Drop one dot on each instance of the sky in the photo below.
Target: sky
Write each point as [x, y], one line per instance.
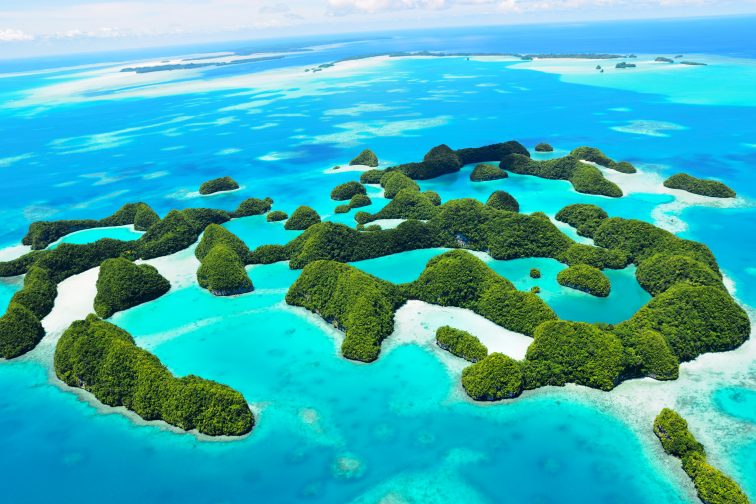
[40, 27]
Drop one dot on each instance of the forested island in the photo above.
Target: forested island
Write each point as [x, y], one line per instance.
[690, 313]
[702, 187]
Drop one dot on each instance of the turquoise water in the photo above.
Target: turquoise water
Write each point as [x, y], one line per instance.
[92, 235]
[331, 430]
[8, 287]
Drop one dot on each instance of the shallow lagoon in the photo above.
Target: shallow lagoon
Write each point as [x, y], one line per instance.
[331, 430]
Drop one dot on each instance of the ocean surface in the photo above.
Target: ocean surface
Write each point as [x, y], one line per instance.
[79, 138]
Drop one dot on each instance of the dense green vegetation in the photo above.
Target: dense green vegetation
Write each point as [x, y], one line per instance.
[359, 201]
[585, 278]
[661, 271]
[175, 232]
[458, 278]
[359, 304]
[584, 177]
[580, 353]
[484, 172]
[656, 359]
[594, 155]
[693, 319]
[121, 284]
[703, 187]
[642, 240]
[393, 182]
[39, 292]
[346, 190]
[20, 331]
[371, 176]
[502, 200]
[302, 218]
[433, 196]
[216, 234]
[253, 206]
[365, 158]
[494, 152]
[460, 343]
[597, 257]
[276, 216]
[43, 233]
[441, 160]
[544, 147]
[535, 273]
[583, 217]
[144, 217]
[218, 185]
[222, 271]
[494, 378]
[103, 359]
[712, 485]
[407, 204]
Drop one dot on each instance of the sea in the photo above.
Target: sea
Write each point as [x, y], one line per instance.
[79, 137]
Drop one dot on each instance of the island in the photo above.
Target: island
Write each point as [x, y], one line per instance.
[484, 172]
[460, 343]
[594, 155]
[585, 278]
[253, 206]
[493, 378]
[103, 359]
[346, 190]
[662, 59]
[121, 284]
[625, 65]
[222, 257]
[535, 273]
[43, 233]
[217, 185]
[702, 187]
[502, 200]
[276, 216]
[302, 218]
[690, 312]
[545, 147]
[712, 485]
[365, 158]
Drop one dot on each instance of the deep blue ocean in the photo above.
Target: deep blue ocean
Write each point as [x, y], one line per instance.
[79, 138]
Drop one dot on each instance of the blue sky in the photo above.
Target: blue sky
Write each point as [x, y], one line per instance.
[55, 26]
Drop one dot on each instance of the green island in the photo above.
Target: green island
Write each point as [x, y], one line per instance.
[535, 273]
[584, 178]
[702, 187]
[502, 200]
[276, 216]
[460, 343]
[222, 256]
[253, 206]
[43, 233]
[690, 313]
[712, 485]
[103, 359]
[347, 190]
[359, 200]
[485, 172]
[217, 185]
[544, 147]
[302, 218]
[594, 155]
[365, 158]
[121, 284]
[585, 278]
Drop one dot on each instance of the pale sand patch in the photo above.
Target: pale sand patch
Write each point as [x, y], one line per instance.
[387, 223]
[417, 321]
[348, 168]
[14, 252]
[667, 215]
[75, 301]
